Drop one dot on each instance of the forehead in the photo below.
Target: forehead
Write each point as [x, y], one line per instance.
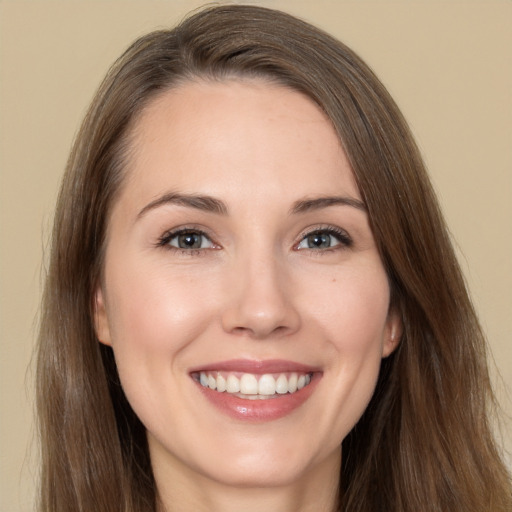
[239, 133]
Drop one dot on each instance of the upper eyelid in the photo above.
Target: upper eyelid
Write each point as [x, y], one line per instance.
[323, 227]
[174, 232]
[188, 228]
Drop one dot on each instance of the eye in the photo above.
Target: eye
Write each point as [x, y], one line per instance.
[187, 239]
[325, 239]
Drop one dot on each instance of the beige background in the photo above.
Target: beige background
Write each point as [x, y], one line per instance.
[448, 64]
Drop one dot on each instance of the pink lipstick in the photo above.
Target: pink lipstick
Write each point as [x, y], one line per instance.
[256, 390]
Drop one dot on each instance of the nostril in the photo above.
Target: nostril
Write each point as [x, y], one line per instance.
[260, 332]
[259, 307]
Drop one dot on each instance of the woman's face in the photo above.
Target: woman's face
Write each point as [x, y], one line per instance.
[243, 294]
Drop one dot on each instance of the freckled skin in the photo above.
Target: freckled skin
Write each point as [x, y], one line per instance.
[253, 291]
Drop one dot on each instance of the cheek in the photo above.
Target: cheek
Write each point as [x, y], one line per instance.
[353, 309]
[154, 319]
[359, 333]
[154, 316]
[354, 321]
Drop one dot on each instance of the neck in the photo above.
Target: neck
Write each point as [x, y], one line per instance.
[315, 491]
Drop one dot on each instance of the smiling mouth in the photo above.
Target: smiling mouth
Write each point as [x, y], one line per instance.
[256, 391]
[253, 386]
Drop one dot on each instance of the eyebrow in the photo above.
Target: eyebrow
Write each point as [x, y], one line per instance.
[199, 202]
[306, 205]
[213, 205]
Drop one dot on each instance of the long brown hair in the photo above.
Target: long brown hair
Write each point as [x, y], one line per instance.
[425, 442]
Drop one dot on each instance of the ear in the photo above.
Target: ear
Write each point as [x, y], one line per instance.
[392, 333]
[101, 318]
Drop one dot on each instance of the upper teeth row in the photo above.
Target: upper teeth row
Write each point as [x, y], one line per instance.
[249, 384]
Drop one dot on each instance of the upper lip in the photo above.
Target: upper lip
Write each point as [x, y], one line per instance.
[256, 366]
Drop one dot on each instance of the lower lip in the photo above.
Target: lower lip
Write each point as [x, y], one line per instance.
[260, 410]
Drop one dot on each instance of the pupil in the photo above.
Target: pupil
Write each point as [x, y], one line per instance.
[319, 240]
[189, 241]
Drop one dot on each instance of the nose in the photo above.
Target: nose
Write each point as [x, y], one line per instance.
[260, 300]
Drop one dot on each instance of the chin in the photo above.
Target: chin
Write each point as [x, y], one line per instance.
[262, 475]
[279, 465]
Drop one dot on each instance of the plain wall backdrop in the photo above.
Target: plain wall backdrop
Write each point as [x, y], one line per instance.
[447, 63]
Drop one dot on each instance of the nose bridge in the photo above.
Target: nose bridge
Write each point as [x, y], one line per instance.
[260, 303]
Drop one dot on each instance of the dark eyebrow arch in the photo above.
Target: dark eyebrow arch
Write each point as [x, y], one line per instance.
[199, 202]
[306, 205]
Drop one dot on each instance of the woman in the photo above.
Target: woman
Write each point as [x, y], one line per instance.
[252, 301]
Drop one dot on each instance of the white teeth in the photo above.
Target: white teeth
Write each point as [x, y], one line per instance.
[282, 384]
[232, 384]
[252, 386]
[292, 383]
[221, 383]
[248, 384]
[267, 385]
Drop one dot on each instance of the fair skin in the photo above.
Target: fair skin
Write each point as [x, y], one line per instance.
[265, 276]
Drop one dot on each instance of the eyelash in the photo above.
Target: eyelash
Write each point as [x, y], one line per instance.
[166, 238]
[345, 241]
